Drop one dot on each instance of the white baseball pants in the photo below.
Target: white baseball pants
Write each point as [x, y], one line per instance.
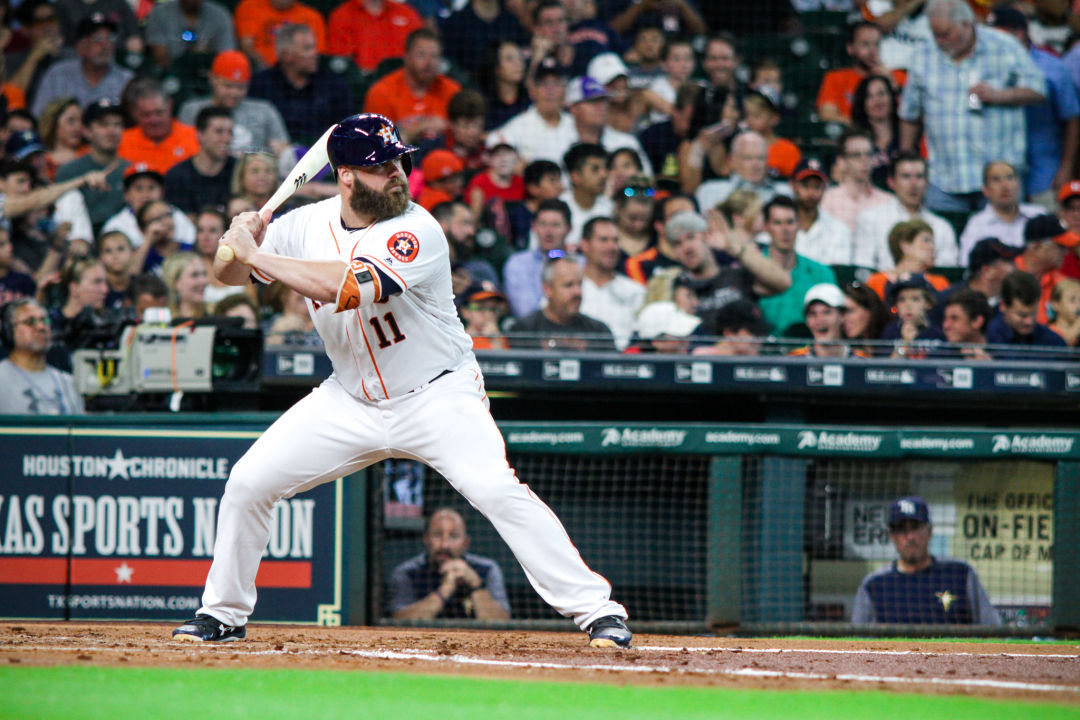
[445, 424]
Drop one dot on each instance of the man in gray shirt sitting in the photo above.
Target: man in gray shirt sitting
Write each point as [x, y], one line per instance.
[27, 385]
[445, 581]
[90, 76]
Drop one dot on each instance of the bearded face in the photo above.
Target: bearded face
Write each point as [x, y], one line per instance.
[380, 205]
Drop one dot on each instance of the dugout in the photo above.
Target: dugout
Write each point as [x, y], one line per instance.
[750, 528]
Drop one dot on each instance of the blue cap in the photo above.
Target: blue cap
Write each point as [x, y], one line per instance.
[23, 144]
[909, 508]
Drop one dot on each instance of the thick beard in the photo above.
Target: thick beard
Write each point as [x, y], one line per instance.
[379, 205]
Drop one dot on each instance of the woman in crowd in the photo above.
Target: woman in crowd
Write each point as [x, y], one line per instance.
[241, 306]
[625, 168]
[158, 229]
[117, 255]
[255, 177]
[185, 275]
[864, 316]
[83, 306]
[62, 132]
[911, 244]
[873, 109]
[504, 85]
[210, 225]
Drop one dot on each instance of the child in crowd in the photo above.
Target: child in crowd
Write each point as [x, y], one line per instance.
[117, 254]
[762, 115]
[911, 297]
[500, 183]
[543, 181]
[1065, 304]
[443, 180]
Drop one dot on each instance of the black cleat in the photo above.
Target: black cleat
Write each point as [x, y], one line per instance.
[609, 631]
[203, 628]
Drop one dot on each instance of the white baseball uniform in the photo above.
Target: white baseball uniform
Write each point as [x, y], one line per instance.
[405, 385]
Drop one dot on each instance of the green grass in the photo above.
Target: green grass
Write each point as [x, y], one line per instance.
[77, 693]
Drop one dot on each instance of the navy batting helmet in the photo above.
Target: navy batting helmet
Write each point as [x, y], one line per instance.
[366, 139]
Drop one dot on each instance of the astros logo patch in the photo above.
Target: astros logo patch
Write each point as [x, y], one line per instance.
[403, 246]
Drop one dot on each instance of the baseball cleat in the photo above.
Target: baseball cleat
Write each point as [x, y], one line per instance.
[609, 631]
[203, 628]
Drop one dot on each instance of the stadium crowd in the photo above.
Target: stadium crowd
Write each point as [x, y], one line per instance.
[609, 173]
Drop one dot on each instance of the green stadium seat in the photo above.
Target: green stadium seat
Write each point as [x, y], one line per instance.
[958, 219]
[188, 76]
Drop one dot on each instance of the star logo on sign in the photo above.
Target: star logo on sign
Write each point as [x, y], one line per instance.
[946, 598]
[124, 573]
[387, 134]
[118, 466]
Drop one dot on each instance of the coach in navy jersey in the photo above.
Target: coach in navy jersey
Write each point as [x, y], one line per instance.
[917, 588]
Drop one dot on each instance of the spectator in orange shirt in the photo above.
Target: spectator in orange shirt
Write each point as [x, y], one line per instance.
[762, 116]
[838, 86]
[370, 31]
[157, 140]
[415, 96]
[443, 178]
[911, 243]
[257, 23]
[1046, 241]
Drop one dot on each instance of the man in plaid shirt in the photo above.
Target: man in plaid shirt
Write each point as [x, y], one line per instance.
[967, 90]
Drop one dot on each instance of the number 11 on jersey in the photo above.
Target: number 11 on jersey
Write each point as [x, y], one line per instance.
[397, 335]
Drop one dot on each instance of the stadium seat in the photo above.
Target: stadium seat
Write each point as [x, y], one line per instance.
[188, 76]
[357, 80]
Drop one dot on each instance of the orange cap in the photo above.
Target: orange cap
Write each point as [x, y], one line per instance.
[231, 65]
[441, 163]
[1068, 190]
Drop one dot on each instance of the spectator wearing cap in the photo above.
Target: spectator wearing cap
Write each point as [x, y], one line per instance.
[544, 131]
[907, 180]
[1046, 242]
[911, 297]
[416, 95]
[257, 125]
[73, 13]
[259, 23]
[92, 74]
[521, 274]
[157, 139]
[718, 278]
[989, 263]
[26, 147]
[838, 86]
[819, 236]
[607, 295]
[762, 115]
[144, 184]
[1069, 212]
[589, 104]
[822, 308]
[740, 329]
[443, 180]
[586, 166]
[1004, 216]
[1018, 323]
[663, 327]
[309, 99]
[1053, 125]
[205, 177]
[176, 27]
[971, 81]
[855, 192]
[479, 24]
[484, 263]
[560, 324]
[625, 109]
[912, 245]
[785, 309]
[481, 307]
[966, 315]
[370, 31]
[917, 588]
[103, 126]
[749, 169]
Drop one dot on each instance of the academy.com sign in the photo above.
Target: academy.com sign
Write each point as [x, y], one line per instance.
[839, 441]
[1043, 444]
[645, 437]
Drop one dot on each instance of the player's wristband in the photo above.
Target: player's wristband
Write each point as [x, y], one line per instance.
[359, 286]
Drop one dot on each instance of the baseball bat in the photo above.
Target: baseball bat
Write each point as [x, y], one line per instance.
[307, 167]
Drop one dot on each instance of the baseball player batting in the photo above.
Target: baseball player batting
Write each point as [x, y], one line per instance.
[375, 270]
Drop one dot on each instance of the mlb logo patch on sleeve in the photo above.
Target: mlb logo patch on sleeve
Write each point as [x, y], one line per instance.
[403, 246]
